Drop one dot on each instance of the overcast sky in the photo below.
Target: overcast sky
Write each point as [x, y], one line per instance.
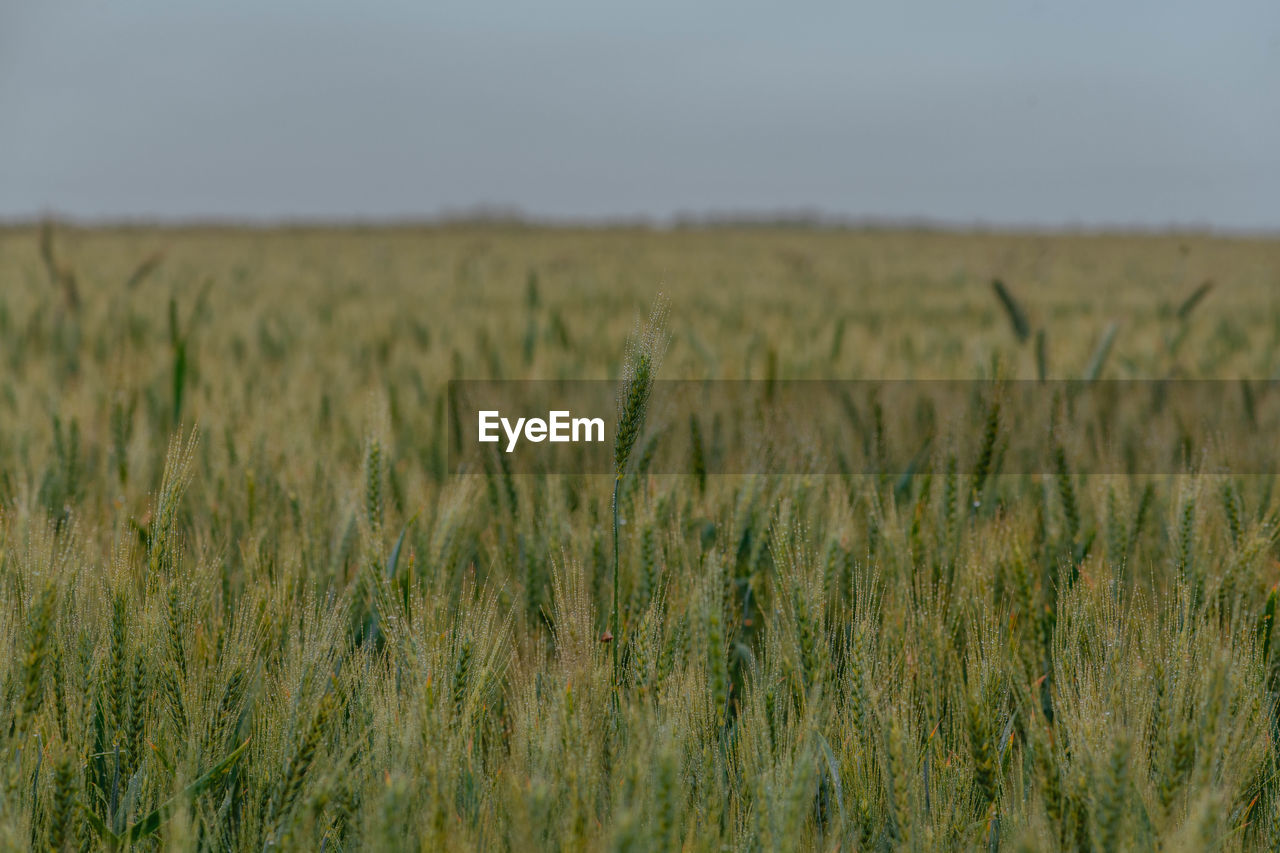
[1036, 113]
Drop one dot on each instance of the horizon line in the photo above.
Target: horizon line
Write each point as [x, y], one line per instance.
[496, 216]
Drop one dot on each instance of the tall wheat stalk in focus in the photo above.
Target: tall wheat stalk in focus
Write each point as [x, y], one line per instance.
[644, 357]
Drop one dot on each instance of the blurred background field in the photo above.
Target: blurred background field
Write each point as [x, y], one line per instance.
[297, 630]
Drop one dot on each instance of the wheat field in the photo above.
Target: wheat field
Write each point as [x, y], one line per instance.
[246, 605]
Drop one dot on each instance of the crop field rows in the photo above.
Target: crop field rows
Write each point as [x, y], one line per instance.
[247, 603]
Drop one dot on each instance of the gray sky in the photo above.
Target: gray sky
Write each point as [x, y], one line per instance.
[1041, 113]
